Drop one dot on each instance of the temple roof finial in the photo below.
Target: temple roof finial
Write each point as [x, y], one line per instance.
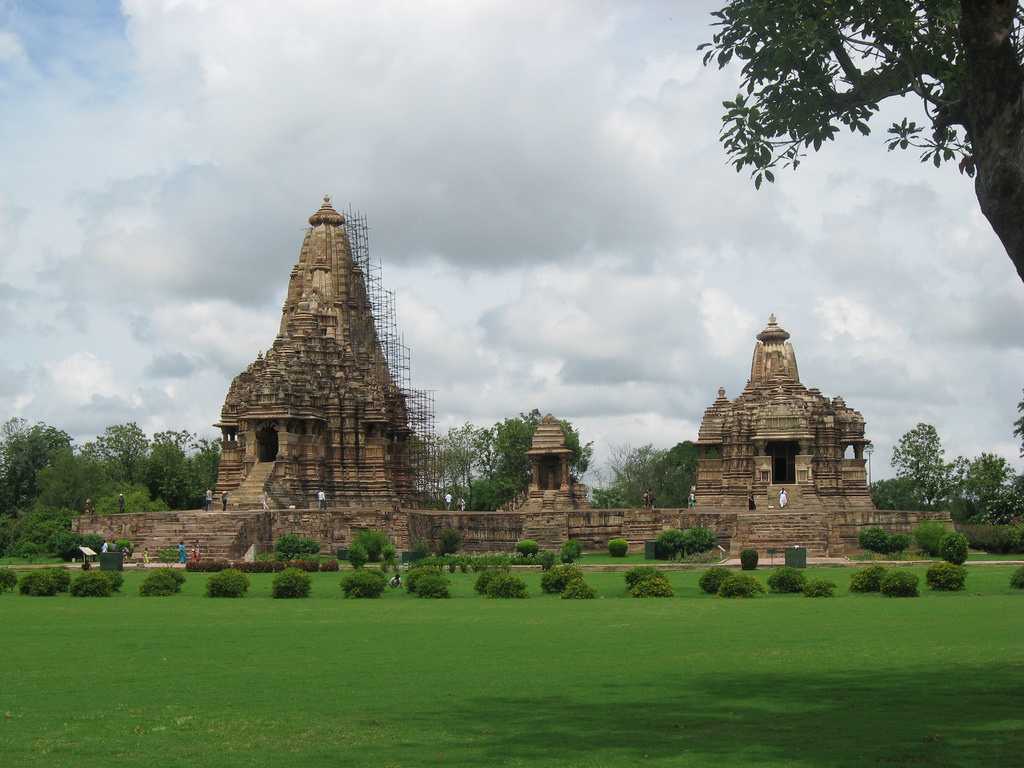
[326, 215]
[773, 331]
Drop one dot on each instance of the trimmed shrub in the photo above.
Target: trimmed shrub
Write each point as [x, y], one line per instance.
[656, 585]
[292, 547]
[505, 586]
[92, 584]
[39, 583]
[748, 559]
[946, 577]
[998, 539]
[527, 547]
[207, 566]
[116, 579]
[433, 584]
[712, 579]
[873, 539]
[899, 542]
[638, 573]
[373, 542]
[258, 566]
[618, 547]
[1017, 578]
[698, 539]
[868, 579]
[572, 550]
[161, 583]
[546, 559]
[8, 580]
[329, 566]
[928, 536]
[412, 578]
[954, 548]
[483, 579]
[357, 556]
[786, 580]
[364, 584]
[227, 583]
[554, 581]
[388, 557]
[62, 578]
[819, 588]
[449, 541]
[165, 555]
[309, 566]
[899, 584]
[670, 544]
[740, 585]
[578, 589]
[291, 582]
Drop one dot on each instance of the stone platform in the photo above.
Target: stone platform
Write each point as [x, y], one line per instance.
[230, 534]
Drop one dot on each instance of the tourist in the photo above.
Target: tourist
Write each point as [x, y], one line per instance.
[395, 581]
[224, 501]
[751, 504]
[447, 501]
[195, 551]
[783, 499]
[462, 504]
[89, 508]
[321, 499]
[265, 502]
[208, 501]
[120, 503]
[145, 556]
[692, 501]
[182, 555]
[647, 498]
[105, 547]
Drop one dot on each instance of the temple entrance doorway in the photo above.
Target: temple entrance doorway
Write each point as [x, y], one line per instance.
[266, 444]
[550, 479]
[783, 462]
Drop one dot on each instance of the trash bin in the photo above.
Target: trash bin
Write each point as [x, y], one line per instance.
[342, 553]
[111, 561]
[411, 557]
[650, 550]
[796, 557]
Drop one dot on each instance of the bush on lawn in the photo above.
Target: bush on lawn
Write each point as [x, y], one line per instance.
[712, 579]
[740, 585]
[92, 584]
[449, 541]
[997, 539]
[39, 583]
[161, 582]
[748, 559]
[433, 584]
[309, 566]
[8, 580]
[867, 579]
[928, 536]
[786, 580]
[364, 584]
[899, 542]
[527, 547]
[388, 557]
[373, 542]
[329, 566]
[357, 556]
[554, 581]
[618, 547]
[412, 579]
[698, 539]
[207, 566]
[874, 539]
[546, 559]
[165, 555]
[954, 548]
[62, 578]
[1017, 578]
[899, 584]
[484, 578]
[638, 573]
[572, 550]
[656, 585]
[292, 547]
[946, 577]
[227, 583]
[578, 589]
[258, 566]
[670, 544]
[505, 586]
[819, 588]
[291, 582]
[65, 544]
[116, 579]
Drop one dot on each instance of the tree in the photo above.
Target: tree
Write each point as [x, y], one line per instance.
[920, 458]
[71, 479]
[24, 450]
[896, 493]
[810, 68]
[126, 448]
[667, 473]
[1018, 426]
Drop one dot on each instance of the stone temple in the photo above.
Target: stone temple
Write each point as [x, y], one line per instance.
[780, 434]
[321, 409]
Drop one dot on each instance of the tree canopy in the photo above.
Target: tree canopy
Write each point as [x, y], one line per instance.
[811, 68]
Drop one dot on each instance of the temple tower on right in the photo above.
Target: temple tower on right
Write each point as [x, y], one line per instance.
[779, 434]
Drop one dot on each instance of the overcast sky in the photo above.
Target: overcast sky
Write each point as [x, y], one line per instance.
[546, 193]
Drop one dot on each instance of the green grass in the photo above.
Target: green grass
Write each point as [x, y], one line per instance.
[859, 680]
[14, 562]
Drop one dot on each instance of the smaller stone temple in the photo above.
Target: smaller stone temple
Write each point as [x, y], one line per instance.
[552, 485]
[780, 434]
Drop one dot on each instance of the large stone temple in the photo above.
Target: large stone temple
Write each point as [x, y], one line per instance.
[319, 410]
[778, 434]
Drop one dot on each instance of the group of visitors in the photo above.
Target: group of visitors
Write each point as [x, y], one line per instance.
[783, 500]
[448, 502]
[208, 501]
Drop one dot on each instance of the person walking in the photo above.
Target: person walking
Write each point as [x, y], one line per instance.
[321, 499]
[783, 499]
[182, 555]
[224, 501]
[195, 551]
[692, 501]
[265, 502]
[145, 557]
[447, 501]
[462, 504]
[105, 547]
[208, 501]
[120, 503]
[751, 504]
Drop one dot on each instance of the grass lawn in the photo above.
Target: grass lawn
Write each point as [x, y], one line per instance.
[15, 562]
[859, 680]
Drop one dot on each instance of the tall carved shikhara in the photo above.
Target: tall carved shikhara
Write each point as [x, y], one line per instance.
[322, 409]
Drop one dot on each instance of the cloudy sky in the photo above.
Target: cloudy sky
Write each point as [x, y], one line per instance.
[546, 193]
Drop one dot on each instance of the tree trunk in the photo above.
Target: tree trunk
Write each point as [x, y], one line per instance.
[994, 112]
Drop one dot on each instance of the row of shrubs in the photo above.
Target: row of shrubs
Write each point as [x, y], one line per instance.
[997, 539]
[261, 566]
[932, 538]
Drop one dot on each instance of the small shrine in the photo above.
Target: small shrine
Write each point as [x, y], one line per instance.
[552, 485]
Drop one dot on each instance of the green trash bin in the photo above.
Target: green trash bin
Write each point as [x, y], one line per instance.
[408, 558]
[796, 557]
[342, 553]
[650, 550]
[111, 561]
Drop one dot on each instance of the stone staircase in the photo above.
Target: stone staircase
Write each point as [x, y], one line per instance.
[776, 529]
[220, 534]
[249, 494]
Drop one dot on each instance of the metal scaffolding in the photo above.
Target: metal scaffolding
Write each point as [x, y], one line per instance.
[418, 403]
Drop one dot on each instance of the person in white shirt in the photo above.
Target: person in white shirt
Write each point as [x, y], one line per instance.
[321, 499]
[447, 501]
[783, 498]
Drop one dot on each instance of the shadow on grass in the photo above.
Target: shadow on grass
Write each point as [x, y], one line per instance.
[965, 716]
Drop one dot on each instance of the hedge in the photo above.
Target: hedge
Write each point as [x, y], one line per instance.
[227, 583]
[364, 584]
